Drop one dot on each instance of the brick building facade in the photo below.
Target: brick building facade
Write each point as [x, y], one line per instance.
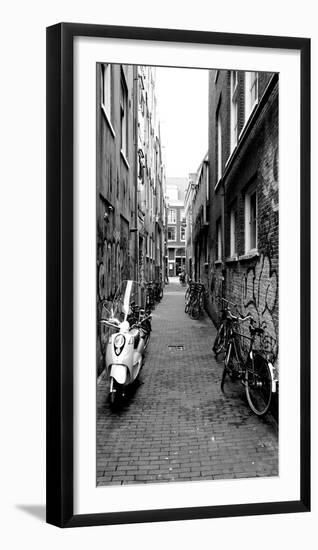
[242, 242]
[151, 181]
[130, 200]
[176, 225]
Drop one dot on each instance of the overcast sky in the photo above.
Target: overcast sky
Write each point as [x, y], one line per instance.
[182, 98]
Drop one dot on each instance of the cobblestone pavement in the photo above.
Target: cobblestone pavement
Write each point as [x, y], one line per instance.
[176, 425]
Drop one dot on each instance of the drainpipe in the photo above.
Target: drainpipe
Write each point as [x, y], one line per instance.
[135, 110]
[223, 239]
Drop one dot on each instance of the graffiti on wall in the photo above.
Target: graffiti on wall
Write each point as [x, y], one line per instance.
[216, 285]
[259, 296]
[113, 267]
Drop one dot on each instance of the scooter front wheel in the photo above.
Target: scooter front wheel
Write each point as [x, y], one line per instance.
[115, 395]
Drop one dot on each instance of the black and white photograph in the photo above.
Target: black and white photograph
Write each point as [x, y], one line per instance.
[187, 271]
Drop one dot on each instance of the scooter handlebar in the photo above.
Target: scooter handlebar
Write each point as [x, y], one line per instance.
[140, 322]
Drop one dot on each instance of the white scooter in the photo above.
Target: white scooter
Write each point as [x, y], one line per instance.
[125, 348]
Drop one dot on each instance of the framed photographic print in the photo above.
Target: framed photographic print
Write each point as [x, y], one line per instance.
[178, 274]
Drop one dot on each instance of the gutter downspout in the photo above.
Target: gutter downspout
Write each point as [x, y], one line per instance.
[135, 110]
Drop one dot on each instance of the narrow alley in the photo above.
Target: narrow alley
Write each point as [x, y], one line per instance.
[176, 425]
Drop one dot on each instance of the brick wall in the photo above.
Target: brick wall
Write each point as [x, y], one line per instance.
[115, 250]
[250, 280]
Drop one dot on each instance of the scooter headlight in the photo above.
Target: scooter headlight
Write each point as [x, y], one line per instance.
[119, 340]
[119, 343]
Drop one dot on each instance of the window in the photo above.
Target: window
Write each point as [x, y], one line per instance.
[171, 233]
[250, 221]
[172, 216]
[219, 240]
[182, 233]
[123, 116]
[106, 89]
[251, 92]
[182, 215]
[207, 181]
[234, 108]
[233, 232]
[171, 253]
[219, 145]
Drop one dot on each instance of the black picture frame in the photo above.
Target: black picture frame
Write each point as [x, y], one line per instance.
[60, 242]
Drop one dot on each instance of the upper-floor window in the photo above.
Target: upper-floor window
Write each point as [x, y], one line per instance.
[123, 116]
[171, 233]
[251, 92]
[219, 240]
[172, 216]
[234, 108]
[106, 89]
[219, 145]
[182, 233]
[207, 181]
[251, 221]
[233, 216]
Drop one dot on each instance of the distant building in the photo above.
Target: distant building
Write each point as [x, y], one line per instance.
[200, 222]
[176, 225]
[151, 182]
[188, 203]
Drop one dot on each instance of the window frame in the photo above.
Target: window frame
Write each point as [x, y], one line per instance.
[107, 108]
[174, 229]
[234, 114]
[124, 120]
[219, 139]
[171, 210]
[233, 232]
[248, 249]
[182, 228]
[249, 105]
[219, 240]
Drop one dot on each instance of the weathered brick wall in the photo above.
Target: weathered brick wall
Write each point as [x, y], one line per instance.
[252, 283]
[115, 249]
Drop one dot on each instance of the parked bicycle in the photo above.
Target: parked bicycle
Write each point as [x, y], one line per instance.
[221, 339]
[158, 290]
[253, 369]
[150, 296]
[194, 300]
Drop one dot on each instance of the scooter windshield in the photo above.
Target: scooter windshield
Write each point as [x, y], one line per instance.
[129, 295]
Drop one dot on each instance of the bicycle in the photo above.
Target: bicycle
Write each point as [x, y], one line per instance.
[195, 301]
[150, 296]
[158, 291]
[254, 371]
[221, 339]
[188, 295]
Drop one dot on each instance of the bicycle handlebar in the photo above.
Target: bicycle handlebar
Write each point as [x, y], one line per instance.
[109, 324]
[240, 318]
[226, 301]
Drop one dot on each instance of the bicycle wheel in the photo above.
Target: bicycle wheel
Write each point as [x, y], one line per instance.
[232, 363]
[258, 385]
[195, 310]
[219, 342]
